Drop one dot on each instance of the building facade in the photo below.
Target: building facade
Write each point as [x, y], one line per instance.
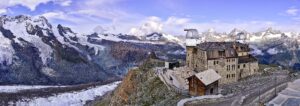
[231, 60]
[204, 83]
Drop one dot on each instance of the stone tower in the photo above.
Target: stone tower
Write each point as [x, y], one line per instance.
[192, 39]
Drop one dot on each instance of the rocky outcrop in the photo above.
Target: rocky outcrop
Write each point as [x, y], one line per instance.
[142, 87]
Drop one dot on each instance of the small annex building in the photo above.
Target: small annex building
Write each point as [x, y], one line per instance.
[204, 83]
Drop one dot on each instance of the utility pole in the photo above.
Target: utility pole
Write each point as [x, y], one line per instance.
[259, 96]
[275, 84]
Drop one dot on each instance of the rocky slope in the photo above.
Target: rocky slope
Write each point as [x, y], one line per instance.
[141, 87]
[32, 51]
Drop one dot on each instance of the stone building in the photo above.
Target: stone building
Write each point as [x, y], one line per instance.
[231, 60]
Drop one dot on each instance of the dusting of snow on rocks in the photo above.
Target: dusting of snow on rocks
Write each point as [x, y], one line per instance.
[78, 98]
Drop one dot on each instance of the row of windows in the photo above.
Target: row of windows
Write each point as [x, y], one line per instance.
[216, 62]
[201, 53]
[230, 60]
[230, 75]
[228, 67]
[244, 65]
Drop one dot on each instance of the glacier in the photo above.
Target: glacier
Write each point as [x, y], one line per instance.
[76, 98]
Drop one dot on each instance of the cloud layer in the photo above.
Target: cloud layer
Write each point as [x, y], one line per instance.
[119, 16]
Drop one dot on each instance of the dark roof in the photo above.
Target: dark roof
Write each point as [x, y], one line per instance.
[226, 48]
[219, 45]
[246, 59]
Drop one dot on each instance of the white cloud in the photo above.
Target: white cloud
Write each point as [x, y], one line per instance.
[64, 2]
[31, 4]
[2, 11]
[88, 14]
[292, 11]
[156, 24]
[150, 25]
[177, 21]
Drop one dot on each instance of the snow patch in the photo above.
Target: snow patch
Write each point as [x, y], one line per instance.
[6, 49]
[272, 51]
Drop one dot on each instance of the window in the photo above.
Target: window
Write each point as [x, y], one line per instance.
[211, 90]
[233, 60]
[216, 62]
[171, 78]
[221, 53]
[228, 76]
[228, 67]
[233, 67]
[244, 65]
[238, 66]
[232, 75]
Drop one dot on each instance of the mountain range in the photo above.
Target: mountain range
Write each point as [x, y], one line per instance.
[33, 51]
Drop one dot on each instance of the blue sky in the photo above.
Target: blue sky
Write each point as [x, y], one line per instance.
[167, 16]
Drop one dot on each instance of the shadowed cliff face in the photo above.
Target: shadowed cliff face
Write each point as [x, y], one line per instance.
[32, 51]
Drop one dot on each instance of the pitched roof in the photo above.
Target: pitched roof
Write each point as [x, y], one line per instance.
[208, 76]
[219, 45]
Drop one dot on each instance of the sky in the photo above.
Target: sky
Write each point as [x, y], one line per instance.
[142, 17]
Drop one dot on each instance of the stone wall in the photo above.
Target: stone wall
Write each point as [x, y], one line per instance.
[226, 68]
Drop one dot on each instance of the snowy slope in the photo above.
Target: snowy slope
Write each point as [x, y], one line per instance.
[6, 49]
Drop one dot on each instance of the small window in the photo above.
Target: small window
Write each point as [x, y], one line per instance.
[238, 66]
[171, 78]
[216, 62]
[233, 67]
[244, 65]
[211, 90]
